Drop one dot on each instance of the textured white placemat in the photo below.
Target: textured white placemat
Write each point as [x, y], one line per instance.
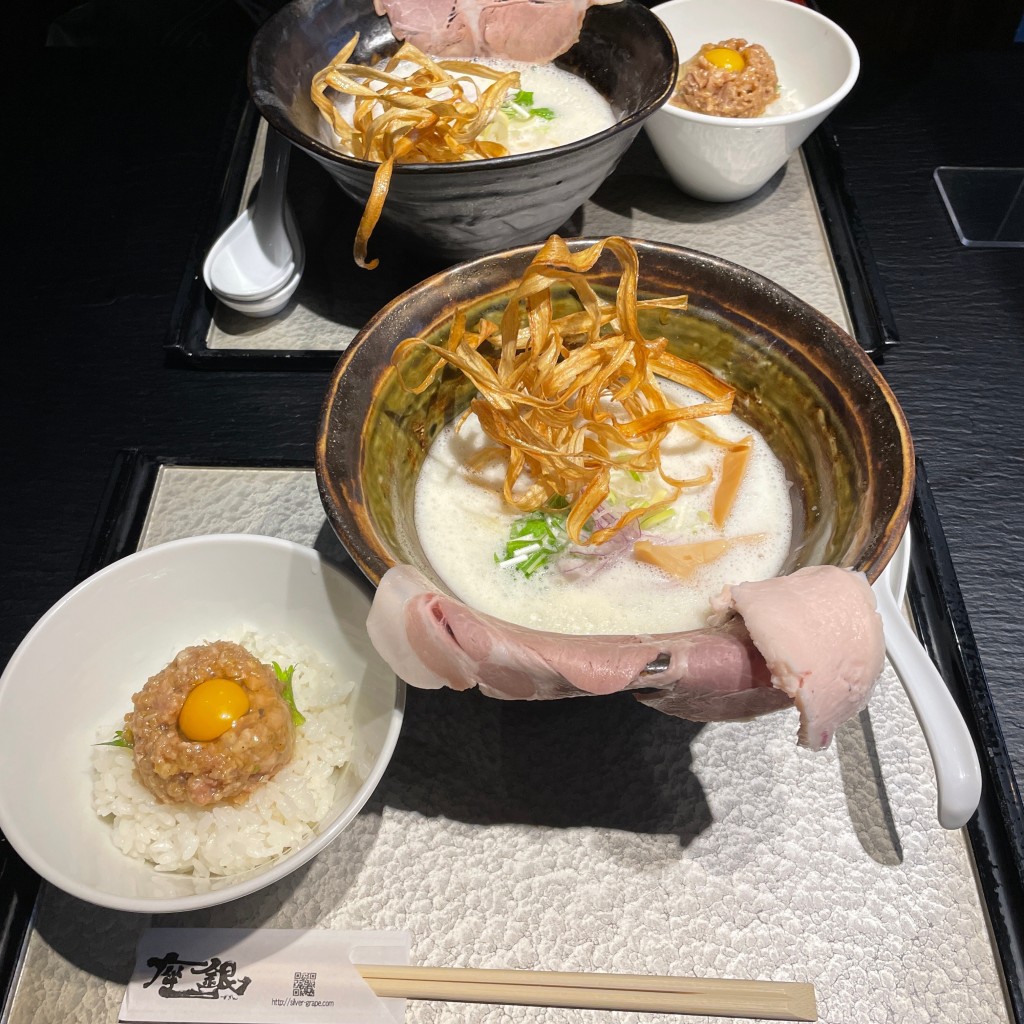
[596, 834]
[776, 232]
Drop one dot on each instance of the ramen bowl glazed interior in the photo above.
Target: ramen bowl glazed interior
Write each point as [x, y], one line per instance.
[458, 210]
[800, 380]
[721, 159]
[71, 681]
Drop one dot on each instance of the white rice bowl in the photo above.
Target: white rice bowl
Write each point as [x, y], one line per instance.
[227, 839]
[724, 159]
[97, 646]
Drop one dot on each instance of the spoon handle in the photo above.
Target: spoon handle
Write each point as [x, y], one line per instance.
[957, 771]
[268, 210]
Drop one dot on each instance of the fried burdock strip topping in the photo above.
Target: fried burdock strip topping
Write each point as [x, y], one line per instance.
[429, 113]
[568, 398]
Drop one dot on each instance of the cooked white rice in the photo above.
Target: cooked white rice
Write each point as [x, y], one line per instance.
[225, 840]
[788, 102]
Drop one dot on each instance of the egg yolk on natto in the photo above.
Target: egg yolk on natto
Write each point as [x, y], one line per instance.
[726, 58]
[212, 708]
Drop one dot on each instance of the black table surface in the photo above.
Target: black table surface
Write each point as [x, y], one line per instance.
[112, 151]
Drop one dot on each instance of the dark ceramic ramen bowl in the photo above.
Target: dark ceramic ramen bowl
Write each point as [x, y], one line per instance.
[456, 211]
[800, 380]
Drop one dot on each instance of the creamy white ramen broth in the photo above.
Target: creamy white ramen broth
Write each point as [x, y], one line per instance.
[552, 107]
[463, 523]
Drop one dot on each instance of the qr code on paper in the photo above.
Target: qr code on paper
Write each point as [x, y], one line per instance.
[304, 985]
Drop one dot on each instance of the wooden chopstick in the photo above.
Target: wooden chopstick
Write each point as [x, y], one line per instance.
[717, 997]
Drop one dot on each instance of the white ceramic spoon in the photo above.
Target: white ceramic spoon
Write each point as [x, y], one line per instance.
[957, 771]
[260, 253]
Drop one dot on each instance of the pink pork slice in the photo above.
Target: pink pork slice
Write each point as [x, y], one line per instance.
[821, 636]
[535, 31]
[813, 638]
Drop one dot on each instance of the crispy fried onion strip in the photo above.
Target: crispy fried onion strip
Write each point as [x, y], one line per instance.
[568, 398]
[430, 113]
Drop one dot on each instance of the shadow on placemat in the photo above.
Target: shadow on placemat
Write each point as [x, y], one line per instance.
[605, 762]
[864, 788]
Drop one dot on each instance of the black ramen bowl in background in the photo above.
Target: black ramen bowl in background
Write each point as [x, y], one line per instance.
[455, 211]
[800, 380]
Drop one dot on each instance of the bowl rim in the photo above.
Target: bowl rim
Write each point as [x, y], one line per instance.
[374, 566]
[276, 118]
[251, 881]
[822, 107]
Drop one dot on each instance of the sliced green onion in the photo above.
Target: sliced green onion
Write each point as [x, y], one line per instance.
[534, 563]
[657, 518]
[534, 539]
[528, 549]
[543, 112]
[513, 561]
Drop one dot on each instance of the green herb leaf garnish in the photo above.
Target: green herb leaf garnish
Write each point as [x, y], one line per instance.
[284, 677]
[520, 108]
[122, 738]
[534, 539]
